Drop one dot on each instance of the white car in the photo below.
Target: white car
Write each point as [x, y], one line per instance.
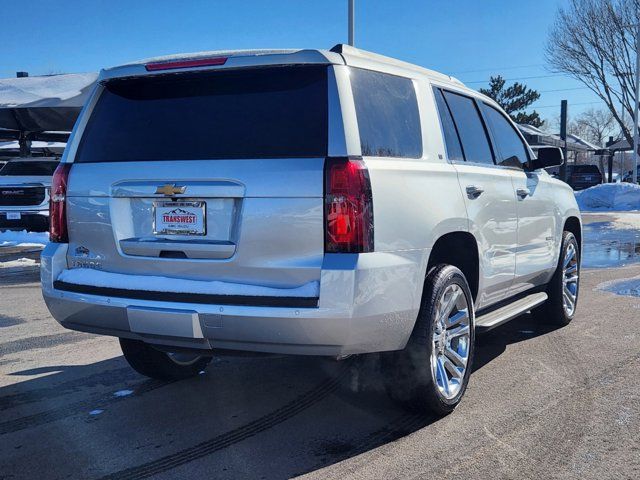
[24, 193]
[310, 202]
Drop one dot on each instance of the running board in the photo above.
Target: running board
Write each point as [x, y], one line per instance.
[508, 312]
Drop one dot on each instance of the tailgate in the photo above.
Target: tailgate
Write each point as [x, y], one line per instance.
[207, 176]
[257, 228]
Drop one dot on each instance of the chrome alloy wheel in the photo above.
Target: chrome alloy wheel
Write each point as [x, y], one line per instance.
[570, 280]
[451, 342]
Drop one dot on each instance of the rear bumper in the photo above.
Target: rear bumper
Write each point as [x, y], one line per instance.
[368, 303]
[31, 218]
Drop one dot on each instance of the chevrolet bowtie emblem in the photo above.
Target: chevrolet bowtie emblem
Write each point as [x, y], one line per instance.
[170, 189]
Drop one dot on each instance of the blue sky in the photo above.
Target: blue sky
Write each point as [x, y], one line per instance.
[470, 39]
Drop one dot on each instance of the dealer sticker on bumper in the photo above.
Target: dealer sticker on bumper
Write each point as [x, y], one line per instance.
[179, 218]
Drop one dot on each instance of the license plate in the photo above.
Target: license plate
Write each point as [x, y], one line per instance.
[13, 216]
[179, 218]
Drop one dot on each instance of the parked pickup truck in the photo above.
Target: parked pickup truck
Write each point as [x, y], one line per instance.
[24, 193]
[310, 202]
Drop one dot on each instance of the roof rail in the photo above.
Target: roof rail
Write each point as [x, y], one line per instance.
[349, 50]
[342, 48]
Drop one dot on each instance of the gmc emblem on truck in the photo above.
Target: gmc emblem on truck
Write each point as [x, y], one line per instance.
[12, 192]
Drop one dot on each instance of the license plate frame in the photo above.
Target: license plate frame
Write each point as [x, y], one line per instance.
[14, 216]
[194, 208]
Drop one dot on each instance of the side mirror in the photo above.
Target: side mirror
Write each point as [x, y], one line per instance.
[547, 157]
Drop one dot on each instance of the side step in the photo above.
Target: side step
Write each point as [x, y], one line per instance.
[508, 312]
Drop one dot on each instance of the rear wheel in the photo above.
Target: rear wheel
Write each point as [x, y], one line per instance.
[154, 363]
[432, 372]
[564, 286]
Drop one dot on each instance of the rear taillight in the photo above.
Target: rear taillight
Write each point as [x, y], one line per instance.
[58, 205]
[348, 210]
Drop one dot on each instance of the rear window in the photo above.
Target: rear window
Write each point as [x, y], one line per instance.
[591, 169]
[31, 168]
[473, 136]
[387, 114]
[454, 150]
[252, 113]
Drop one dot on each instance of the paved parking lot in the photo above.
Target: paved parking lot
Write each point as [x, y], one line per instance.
[542, 403]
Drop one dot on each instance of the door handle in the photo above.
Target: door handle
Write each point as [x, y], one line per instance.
[474, 191]
[523, 193]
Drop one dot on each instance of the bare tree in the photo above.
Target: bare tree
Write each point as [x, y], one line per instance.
[594, 42]
[595, 125]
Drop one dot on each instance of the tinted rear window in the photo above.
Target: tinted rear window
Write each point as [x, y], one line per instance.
[470, 128]
[387, 114]
[252, 113]
[454, 150]
[31, 168]
[591, 169]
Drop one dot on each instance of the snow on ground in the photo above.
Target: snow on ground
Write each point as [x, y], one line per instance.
[10, 238]
[97, 278]
[609, 196]
[19, 263]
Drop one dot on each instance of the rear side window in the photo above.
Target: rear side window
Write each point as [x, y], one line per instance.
[454, 150]
[250, 113]
[511, 151]
[470, 128]
[30, 168]
[387, 113]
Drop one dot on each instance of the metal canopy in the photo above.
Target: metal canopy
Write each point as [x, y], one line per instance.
[535, 136]
[46, 103]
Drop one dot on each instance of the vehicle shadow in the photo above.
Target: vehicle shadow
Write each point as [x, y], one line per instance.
[299, 414]
[491, 344]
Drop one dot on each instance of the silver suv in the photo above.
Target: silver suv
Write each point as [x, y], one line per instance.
[305, 202]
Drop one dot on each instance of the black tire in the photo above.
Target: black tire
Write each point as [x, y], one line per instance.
[154, 363]
[409, 376]
[553, 311]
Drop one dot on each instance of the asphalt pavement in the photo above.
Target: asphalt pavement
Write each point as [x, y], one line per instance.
[542, 403]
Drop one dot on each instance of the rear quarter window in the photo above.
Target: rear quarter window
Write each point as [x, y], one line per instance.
[272, 112]
[387, 114]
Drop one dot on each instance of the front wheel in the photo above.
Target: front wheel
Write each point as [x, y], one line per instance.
[154, 363]
[432, 372]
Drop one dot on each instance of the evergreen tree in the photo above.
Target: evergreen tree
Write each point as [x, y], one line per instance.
[514, 100]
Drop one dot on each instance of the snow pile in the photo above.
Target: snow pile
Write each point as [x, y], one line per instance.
[97, 278]
[10, 238]
[20, 262]
[610, 196]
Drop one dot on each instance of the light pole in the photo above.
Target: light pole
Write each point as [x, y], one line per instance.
[635, 107]
[352, 21]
